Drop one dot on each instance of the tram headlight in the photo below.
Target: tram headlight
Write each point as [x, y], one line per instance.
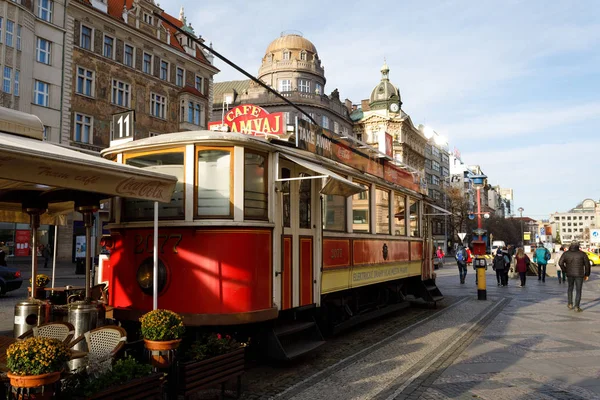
[145, 276]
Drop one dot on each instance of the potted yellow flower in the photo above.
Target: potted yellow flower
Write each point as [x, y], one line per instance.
[162, 331]
[41, 280]
[36, 362]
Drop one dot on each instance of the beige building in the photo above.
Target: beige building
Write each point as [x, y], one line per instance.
[133, 56]
[32, 38]
[292, 66]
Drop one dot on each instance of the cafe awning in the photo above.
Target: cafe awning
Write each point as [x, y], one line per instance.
[335, 185]
[34, 170]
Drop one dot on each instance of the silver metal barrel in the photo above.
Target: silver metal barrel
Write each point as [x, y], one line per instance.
[29, 313]
[84, 317]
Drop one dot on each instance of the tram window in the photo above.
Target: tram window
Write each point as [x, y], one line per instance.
[285, 189]
[400, 214]
[414, 217]
[214, 183]
[169, 162]
[255, 186]
[305, 201]
[360, 210]
[334, 213]
[382, 211]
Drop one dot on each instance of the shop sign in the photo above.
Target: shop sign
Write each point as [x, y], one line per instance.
[22, 240]
[252, 120]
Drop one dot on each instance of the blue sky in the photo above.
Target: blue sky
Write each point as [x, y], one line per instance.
[513, 84]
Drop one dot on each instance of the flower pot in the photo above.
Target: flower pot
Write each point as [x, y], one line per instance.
[19, 382]
[161, 351]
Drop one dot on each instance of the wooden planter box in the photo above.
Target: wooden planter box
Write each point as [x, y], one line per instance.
[149, 387]
[197, 375]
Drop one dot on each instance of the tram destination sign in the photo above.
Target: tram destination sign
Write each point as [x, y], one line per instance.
[252, 120]
[320, 141]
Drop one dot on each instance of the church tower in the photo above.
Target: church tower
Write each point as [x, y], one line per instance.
[385, 96]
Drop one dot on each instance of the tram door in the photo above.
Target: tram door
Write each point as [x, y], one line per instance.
[298, 239]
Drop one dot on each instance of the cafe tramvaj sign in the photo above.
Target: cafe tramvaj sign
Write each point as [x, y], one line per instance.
[252, 120]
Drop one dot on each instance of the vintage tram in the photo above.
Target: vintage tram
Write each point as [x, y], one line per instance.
[265, 230]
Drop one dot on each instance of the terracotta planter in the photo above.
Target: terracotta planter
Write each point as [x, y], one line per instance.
[161, 351]
[31, 381]
[149, 387]
[19, 382]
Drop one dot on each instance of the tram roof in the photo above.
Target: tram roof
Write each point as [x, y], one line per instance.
[169, 140]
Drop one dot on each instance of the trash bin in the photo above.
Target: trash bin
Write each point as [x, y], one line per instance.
[30, 313]
[80, 266]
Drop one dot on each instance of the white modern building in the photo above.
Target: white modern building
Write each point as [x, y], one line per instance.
[576, 223]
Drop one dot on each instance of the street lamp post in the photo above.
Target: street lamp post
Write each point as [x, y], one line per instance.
[479, 247]
[521, 209]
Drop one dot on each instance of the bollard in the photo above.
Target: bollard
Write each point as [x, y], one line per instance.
[481, 266]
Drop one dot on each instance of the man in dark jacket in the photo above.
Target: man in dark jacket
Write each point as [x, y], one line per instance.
[576, 265]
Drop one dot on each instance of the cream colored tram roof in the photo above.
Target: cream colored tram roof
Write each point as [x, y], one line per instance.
[170, 140]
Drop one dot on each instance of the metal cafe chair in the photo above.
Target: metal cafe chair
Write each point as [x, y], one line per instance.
[103, 344]
[63, 331]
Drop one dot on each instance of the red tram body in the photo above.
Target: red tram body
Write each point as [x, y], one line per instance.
[258, 227]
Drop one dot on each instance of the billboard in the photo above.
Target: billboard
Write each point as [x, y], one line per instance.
[252, 120]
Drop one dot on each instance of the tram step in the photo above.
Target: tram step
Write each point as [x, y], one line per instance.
[302, 347]
[288, 328]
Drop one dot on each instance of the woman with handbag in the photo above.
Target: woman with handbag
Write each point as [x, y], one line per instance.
[522, 265]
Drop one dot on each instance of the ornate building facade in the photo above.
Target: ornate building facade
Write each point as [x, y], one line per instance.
[292, 66]
[131, 55]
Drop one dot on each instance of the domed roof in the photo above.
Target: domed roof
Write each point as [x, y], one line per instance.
[291, 41]
[385, 91]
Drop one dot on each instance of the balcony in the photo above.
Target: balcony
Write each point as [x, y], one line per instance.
[300, 65]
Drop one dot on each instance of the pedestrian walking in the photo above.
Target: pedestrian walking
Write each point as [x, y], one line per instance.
[461, 261]
[500, 264]
[2, 255]
[556, 259]
[440, 254]
[522, 265]
[577, 266]
[46, 253]
[541, 257]
[507, 258]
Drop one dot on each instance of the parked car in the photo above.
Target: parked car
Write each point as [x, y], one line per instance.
[594, 258]
[10, 279]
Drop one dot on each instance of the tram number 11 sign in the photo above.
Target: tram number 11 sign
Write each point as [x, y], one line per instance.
[123, 126]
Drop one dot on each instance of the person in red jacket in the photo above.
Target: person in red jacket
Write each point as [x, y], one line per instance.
[522, 265]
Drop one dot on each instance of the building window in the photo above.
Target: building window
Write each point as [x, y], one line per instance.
[435, 180]
[304, 85]
[435, 166]
[213, 186]
[285, 85]
[414, 217]
[7, 81]
[336, 127]
[286, 55]
[17, 76]
[109, 47]
[318, 88]
[199, 84]
[147, 67]
[83, 128]
[85, 41]
[1, 20]
[255, 186]
[148, 18]
[360, 210]
[325, 122]
[179, 79]
[128, 55]
[41, 93]
[121, 94]
[18, 37]
[164, 70]
[85, 82]
[305, 198]
[43, 51]
[158, 106]
[10, 27]
[46, 132]
[382, 211]
[303, 56]
[44, 10]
